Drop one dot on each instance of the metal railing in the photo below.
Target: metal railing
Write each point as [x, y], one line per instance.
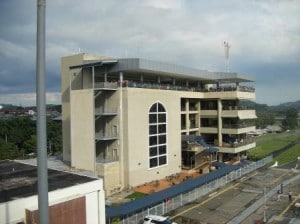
[188, 197]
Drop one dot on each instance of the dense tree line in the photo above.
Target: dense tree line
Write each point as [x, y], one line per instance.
[18, 137]
[290, 120]
[268, 118]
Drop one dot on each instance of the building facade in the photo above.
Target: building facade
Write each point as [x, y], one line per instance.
[123, 118]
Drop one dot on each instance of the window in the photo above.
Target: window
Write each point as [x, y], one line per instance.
[157, 136]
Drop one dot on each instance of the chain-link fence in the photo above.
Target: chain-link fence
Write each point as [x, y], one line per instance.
[187, 197]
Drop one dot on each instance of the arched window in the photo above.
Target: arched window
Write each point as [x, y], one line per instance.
[157, 135]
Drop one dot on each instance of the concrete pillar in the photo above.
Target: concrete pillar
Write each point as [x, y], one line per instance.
[121, 151]
[105, 74]
[174, 81]
[187, 119]
[220, 139]
[93, 77]
[220, 157]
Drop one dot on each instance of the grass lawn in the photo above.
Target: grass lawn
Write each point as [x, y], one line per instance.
[136, 195]
[272, 142]
[289, 155]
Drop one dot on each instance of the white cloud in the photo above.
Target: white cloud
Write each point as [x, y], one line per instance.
[164, 4]
[262, 33]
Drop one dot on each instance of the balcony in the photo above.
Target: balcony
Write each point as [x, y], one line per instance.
[237, 148]
[107, 160]
[106, 85]
[209, 130]
[209, 113]
[238, 145]
[155, 85]
[240, 112]
[237, 128]
[106, 111]
[100, 136]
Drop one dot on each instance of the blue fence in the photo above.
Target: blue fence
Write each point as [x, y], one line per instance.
[178, 195]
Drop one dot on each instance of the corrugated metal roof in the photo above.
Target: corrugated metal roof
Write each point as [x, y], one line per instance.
[94, 63]
[165, 69]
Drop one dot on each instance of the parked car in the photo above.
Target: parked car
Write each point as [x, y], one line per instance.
[157, 219]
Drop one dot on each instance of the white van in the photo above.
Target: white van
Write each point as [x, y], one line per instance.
[157, 219]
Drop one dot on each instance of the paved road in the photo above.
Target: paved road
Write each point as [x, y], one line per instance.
[253, 198]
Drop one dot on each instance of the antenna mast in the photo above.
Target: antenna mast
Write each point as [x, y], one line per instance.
[226, 50]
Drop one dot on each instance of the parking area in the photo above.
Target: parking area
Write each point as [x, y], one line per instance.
[252, 199]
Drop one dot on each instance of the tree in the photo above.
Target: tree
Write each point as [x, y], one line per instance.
[7, 150]
[30, 145]
[18, 137]
[265, 119]
[4, 130]
[291, 116]
[54, 136]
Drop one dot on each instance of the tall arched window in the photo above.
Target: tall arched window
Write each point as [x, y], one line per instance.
[157, 135]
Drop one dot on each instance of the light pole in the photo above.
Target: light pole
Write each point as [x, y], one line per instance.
[42, 169]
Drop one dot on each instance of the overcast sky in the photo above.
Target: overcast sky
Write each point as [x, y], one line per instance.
[264, 38]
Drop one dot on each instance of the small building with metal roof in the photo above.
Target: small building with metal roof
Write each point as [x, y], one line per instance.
[72, 198]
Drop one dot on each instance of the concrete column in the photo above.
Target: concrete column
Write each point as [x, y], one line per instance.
[121, 151]
[220, 157]
[93, 77]
[220, 139]
[187, 83]
[105, 75]
[237, 85]
[187, 119]
[198, 117]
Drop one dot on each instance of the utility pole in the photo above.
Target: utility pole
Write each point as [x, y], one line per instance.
[42, 167]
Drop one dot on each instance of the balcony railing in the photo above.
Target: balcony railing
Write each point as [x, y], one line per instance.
[100, 136]
[231, 89]
[106, 85]
[106, 159]
[237, 108]
[238, 142]
[135, 84]
[237, 126]
[106, 111]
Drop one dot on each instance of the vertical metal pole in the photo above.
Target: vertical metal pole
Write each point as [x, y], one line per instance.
[41, 115]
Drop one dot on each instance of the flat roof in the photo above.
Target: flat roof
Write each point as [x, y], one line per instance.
[18, 180]
[139, 65]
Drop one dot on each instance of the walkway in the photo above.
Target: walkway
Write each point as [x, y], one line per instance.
[244, 201]
[246, 213]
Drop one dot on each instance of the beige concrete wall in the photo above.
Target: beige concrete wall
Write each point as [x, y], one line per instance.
[136, 105]
[68, 77]
[112, 180]
[82, 130]
[230, 95]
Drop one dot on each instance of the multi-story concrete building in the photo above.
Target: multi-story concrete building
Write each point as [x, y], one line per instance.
[123, 118]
